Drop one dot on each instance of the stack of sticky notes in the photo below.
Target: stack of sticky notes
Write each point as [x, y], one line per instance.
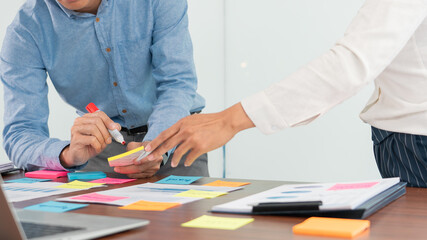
[331, 227]
[46, 174]
[86, 175]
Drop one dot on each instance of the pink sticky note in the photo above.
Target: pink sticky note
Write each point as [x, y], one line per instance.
[95, 197]
[108, 180]
[346, 186]
[46, 174]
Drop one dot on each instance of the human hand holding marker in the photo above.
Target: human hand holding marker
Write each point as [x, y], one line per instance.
[92, 108]
[89, 137]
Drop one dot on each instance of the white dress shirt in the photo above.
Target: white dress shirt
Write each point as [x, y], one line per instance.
[386, 43]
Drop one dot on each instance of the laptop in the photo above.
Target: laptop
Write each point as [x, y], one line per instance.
[28, 224]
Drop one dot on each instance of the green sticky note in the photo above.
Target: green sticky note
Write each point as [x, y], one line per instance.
[213, 222]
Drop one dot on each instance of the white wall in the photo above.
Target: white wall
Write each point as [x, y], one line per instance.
[266, 41]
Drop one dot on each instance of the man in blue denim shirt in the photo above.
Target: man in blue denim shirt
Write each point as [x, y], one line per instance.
[132, 58]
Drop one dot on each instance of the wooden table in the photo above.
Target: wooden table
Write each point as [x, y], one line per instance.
[405, 218]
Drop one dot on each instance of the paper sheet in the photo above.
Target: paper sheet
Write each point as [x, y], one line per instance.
[16, 192]
[152, 192]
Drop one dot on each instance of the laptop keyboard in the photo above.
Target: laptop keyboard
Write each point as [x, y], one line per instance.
[34, 230]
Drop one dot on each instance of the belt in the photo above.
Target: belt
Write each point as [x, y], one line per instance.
[137, 130]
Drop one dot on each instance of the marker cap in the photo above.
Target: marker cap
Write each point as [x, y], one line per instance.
[91, 107]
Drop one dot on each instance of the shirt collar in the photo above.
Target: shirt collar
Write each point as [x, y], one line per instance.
[73, 14]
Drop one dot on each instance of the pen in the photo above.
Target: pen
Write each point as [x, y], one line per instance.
[91, 107]
[142, 155]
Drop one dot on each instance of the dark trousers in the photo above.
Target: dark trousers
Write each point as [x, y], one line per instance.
[401, 155]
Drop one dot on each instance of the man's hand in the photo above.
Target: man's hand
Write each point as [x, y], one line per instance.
[200, 133]
[89, 137]
[140, 169]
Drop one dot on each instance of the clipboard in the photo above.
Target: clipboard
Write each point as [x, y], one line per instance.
[370, 201]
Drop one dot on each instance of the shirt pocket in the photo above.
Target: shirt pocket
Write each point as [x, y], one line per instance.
[135, 62]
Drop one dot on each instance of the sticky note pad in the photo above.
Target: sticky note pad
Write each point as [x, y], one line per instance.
[27, 180]
[331, 227]
[182, 180]
[79, 185]
[125, 159]
[86, 175]
[108, 180]
[46, 174]
[199, 194]
[96, 197]
[217, 222]
[219, 183]
[150, 206]
[58, 207]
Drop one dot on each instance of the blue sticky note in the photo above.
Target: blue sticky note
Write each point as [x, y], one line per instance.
[181, 180]
[27, 180]
[86, 175]
[53, 206]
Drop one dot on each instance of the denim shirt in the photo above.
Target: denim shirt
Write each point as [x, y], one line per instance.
[134, 60]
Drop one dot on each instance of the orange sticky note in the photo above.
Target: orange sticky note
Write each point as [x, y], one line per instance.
[219, 183]
[150, 206]
[331, 227]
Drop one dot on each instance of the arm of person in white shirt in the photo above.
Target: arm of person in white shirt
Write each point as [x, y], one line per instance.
[375, 37]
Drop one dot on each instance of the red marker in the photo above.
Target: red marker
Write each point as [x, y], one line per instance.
[91, 107]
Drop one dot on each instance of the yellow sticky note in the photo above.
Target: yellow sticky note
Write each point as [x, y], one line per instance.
[79, 185]
[199, 194]
[219, 183]
[212, 222]
[150, 206]
[126, 158]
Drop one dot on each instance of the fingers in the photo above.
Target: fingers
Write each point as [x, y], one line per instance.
[93, 126]
[91, 141]
[179, 152]
[137, 169]
[192, 156]
[153, 146]
[166, 146]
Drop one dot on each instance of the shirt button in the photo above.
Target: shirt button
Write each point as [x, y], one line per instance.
[124, 111]
[97, 19]
[115, 84]
[108, 49]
